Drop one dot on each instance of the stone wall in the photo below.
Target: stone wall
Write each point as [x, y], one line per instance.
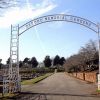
[87, 76]
[91, 77]
[80, 76]
[74, 74]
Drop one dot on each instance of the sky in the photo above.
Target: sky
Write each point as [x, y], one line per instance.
[52, 38]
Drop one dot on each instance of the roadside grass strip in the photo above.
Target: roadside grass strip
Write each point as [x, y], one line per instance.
[98, 92]
[35, 80]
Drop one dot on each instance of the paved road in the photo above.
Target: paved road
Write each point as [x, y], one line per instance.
[59, 87]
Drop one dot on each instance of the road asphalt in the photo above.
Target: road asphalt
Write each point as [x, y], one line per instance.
[59, 86]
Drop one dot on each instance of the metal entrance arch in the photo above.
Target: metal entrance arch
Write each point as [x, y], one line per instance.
[12, 81]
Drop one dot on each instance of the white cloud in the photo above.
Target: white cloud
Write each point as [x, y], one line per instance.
[47, 3]
[19, 14]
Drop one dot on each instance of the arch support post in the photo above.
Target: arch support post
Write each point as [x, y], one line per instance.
[14, 78]
[12, 81]
[99, 55]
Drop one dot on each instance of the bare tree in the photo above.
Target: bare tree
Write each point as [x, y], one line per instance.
[89, 50]
[85, 59]
[89, 53]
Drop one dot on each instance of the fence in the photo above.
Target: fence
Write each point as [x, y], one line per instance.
[86, 76]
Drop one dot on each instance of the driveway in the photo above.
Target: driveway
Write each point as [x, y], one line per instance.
[59, 86]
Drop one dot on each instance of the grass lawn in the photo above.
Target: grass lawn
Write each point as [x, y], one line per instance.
[98, 92]
[35, 80]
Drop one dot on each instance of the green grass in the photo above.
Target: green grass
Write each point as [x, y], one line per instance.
[35, 80]
[6, 96]
[98, 91]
